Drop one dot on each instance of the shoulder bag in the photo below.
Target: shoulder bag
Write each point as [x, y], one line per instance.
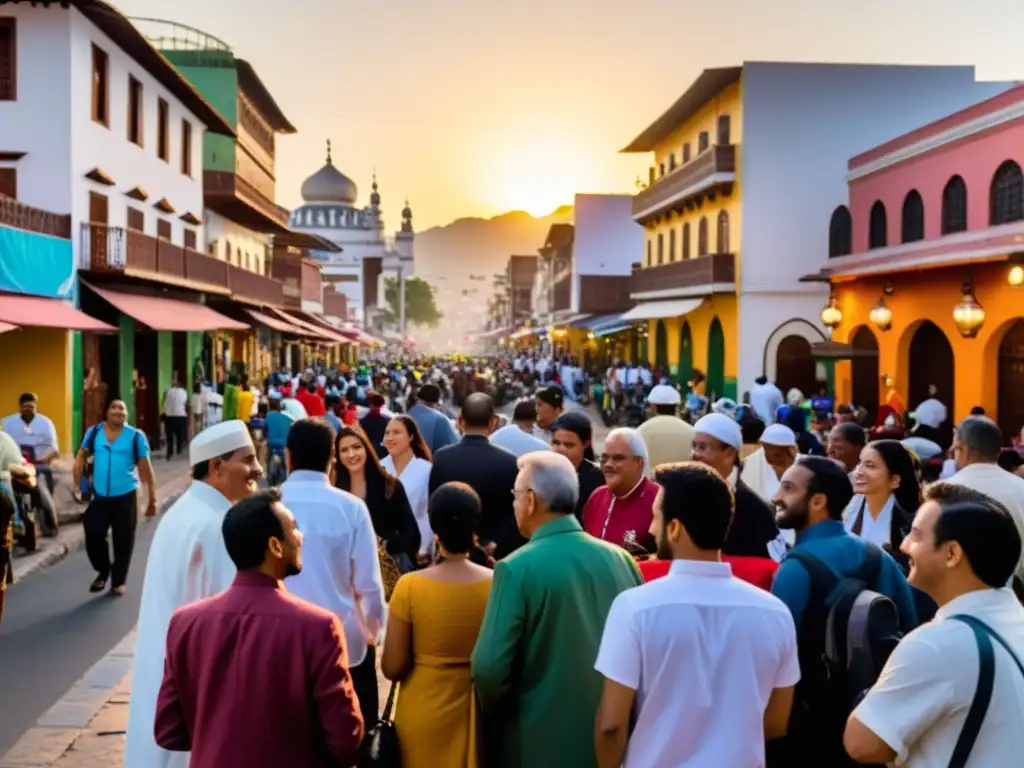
[380, 747]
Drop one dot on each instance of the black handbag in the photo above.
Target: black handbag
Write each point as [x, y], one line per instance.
[380, 746]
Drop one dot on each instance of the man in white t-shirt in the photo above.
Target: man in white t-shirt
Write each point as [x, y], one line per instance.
[176, 418]
[976, 448]
[706, 662]
[963, 549]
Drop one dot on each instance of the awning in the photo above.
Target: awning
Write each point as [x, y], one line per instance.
[274, 323]
[19, 310]
[611, 329]
[5, 327]
[321, 335]
[163, 314]
[653, 310]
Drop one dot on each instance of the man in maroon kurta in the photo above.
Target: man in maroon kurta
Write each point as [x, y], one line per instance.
[255, 676]
[621, 511]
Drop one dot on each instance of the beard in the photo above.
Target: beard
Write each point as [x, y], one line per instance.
[292, 569]
[664, 551]
[794, 518]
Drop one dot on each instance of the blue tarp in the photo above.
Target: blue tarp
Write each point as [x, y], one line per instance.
[35, 264]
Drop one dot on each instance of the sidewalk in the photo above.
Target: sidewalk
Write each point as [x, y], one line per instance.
[172, 478]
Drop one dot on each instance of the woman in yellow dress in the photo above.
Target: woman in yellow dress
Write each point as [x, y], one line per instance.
[434, 619]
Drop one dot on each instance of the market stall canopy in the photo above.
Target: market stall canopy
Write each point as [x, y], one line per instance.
[274, 324]
[18, 310]
[164, 314]
[655, 310]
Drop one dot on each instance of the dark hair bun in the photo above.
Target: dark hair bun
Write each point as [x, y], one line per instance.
[454, 510]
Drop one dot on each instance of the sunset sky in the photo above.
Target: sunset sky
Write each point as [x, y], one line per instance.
[473, 108]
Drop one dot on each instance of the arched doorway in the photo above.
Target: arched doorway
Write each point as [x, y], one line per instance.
[794, 366]
[685, 368]
[661, 349]
[865, 372]
[1011, 381]
[716, 361]
[931, 362]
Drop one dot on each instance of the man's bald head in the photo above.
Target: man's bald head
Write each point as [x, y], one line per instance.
[478, 411]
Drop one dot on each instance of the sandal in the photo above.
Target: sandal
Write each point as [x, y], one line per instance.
[118, 591]
[98, 586]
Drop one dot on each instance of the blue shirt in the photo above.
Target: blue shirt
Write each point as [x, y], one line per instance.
[113, 469]
[843, 553]
[437, 430]
[278, 424]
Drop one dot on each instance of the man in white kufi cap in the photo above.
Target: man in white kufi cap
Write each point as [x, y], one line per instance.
[187, 562]
[763, 469]
[666, 436]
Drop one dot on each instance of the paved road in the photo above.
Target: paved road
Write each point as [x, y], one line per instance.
[54, 630]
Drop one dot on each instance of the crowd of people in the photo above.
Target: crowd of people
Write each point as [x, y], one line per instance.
[712, 591]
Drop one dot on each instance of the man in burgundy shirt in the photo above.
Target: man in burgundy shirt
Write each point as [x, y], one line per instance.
[621, 511]
[255, 676]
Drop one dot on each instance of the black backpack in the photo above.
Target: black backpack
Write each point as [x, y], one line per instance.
[848, 632]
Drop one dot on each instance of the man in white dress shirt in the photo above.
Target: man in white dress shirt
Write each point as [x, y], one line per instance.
[976, 448]
[518, 437]
[187, 562]
[963, 549]
[341, 570]
[704, 662]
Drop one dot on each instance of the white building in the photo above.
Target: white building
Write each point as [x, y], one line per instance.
[100, 124]
[368, 257]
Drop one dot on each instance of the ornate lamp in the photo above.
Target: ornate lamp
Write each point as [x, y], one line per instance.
[1015, 277]
[831, 315]
[968, 314]
[881, 315]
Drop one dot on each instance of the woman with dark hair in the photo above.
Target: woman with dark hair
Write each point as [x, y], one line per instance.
[358, 471]
[408, 459]
[572, 435]
[433, 624]
[888, 495]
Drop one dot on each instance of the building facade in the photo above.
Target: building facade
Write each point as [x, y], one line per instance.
[925, 267]
[367, 257]
[741, 162]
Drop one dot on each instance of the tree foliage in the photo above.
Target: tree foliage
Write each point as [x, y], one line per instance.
[420, 307]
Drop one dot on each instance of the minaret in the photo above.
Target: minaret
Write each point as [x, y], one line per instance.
[403, 245]
[329, 161]
[373, 210]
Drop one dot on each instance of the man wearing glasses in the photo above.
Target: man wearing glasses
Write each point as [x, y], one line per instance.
[620, 512]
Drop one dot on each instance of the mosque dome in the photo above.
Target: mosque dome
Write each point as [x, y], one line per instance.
[329, 185]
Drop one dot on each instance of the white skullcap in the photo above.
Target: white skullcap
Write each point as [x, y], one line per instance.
[779, 434]
[225, 437]
[663, 394]
[722, 428]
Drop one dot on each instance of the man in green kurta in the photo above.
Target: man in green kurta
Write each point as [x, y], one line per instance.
[533, 665]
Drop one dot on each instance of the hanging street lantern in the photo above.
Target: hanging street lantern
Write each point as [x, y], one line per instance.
[1015, 277]
[831, 315]
[968, 314]
[881, 315]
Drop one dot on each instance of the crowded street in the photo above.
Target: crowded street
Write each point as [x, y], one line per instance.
[379, 392]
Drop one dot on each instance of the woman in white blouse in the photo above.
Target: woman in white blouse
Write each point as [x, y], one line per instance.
[887, 496]
[408, 459]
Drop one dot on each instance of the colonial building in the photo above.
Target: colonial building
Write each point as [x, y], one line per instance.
[367, 257]
[96, 126]
[926, 269]
[743, 160]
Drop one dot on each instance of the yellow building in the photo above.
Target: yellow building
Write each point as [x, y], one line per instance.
[691, 212]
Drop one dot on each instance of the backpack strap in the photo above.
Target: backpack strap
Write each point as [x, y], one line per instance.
[823, 579]
[871, 569]
[89, 441]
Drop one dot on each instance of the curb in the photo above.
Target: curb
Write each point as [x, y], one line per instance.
[61, 725]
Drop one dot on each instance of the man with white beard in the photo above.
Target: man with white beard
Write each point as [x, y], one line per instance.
[187, 562]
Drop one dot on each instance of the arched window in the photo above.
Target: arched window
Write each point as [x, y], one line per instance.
[723, 232]
[913, 217]
[954, 206]
[878, 226]
[840, 233]
[672, 245]
[1007, 198]
[686, 240]
[702, 237]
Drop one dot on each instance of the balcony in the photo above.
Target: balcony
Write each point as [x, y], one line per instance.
[561, 295]
[311, 283]
[117, 249]
[604, 294]
[715, 273]
[20, 216]
[335, 303]
[711, 172]
[253, 288]
[232, 195]
[301, 278]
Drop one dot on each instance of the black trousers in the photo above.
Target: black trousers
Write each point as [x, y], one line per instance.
[119, 515]
[176, 428]
[364, 680]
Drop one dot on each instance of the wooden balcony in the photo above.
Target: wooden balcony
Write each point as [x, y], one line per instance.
[231, 195]
[255, 289]
[709, 173]
[311, 283]
[335, 303]
[604, 294]
[20, 216]
[117, 249]
[713, 272]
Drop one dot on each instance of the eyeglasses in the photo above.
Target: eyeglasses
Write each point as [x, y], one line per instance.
[613, 458]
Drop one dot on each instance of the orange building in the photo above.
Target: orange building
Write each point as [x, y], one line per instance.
[925, 266]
